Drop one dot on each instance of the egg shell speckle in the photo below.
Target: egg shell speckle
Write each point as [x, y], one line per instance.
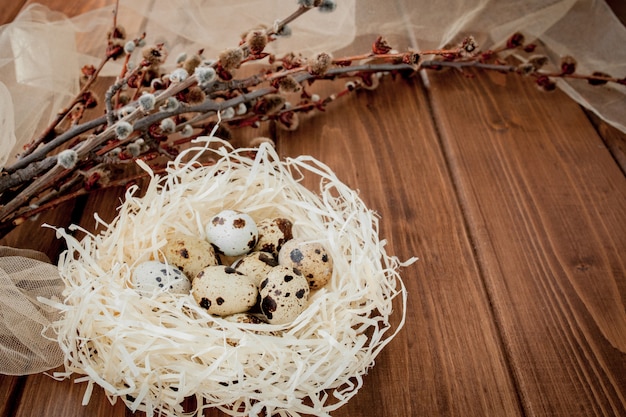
[232, 233]
[223, 291]
[256, 265]
[273, 233]
[155, 276]
[284, 295]
[310, 258]
[190, 254]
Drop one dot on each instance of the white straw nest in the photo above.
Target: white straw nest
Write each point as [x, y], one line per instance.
[154, 352]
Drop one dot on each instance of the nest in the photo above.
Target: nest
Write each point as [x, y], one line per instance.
[154, 352]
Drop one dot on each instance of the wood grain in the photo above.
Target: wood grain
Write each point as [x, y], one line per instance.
[10, 10]
[10, 391]
[544, 202]
[448, 361]
[614, 139]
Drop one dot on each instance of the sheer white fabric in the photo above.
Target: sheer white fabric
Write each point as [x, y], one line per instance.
[27, 345]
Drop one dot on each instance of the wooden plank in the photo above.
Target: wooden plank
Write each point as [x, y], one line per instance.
[32, 234]
[10, 387]
[71, 9]
[42, 395]
[544, 201]
[10, 10]
[614, 139]
[448, 360]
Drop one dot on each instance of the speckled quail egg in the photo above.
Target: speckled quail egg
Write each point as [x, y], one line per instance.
[310, 258]
[190, 254]
[244, 318]
[232, 232]
[256, 265]
[247, 318]
[273, 233]
[284, 295]
[223, 291]
[151, 276]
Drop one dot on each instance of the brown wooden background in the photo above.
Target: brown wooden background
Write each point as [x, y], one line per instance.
[515, 202]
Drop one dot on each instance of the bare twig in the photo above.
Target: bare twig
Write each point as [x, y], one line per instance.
[39, 176]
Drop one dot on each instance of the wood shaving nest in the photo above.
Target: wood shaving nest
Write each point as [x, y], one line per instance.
[154, 352]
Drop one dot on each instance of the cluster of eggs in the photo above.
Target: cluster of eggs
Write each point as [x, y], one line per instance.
[242, 267]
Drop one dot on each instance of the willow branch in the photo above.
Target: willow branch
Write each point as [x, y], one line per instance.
[63, 113]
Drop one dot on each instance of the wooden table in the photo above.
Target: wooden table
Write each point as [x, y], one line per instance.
[515, 202]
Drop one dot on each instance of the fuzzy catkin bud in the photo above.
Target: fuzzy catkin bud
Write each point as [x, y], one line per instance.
[195, 95]
[167, 125]
[146, 102]
[171, 104]
[125, 111]
[284, 31]
[228, 113]
[270, 104]
[327, 6]
[186, 131]
[134, 149]
[192, 63]
[320, 64]
[181, 58]
[129, 47]
[178, 75]
[154, 54]
[288, 84]
[256, 40]
[205, 75]
[67, 158]
[231, 58]
[241, 109]
[123, 129]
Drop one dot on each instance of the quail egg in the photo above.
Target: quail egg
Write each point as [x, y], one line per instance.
[232, 233]
[151, 276]
[190, 254]
[310, 258]
[223, 291]
[284, 295]
[256, 265]
[273, 233]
